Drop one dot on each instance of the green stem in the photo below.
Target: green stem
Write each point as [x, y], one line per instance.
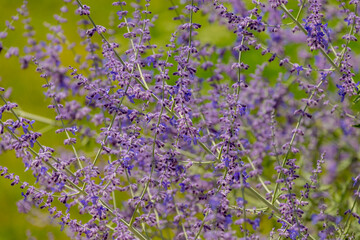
[190, 33]
[347, 223]
[323, 52]
[348, 41]
[291, 143]
[37, 117]
[132, 229]
[36, 141]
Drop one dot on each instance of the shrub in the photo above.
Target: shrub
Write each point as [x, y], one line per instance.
[241, 123]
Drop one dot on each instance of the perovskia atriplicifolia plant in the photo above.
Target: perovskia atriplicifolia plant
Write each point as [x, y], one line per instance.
[191, 119]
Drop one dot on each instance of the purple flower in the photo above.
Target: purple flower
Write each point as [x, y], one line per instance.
[62, 224]
[341, 92]
[214, 203]
[293, 234]
[298, 68]
[182, 187]
[150, 60]
[226, 161]
[256, 223]
[228, 220]
[242, 110]
[314, 219]
[73, 129]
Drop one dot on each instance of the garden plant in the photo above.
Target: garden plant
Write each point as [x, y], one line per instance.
[191, 119]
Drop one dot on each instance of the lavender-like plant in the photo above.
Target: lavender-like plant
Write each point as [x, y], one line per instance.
[241, 124]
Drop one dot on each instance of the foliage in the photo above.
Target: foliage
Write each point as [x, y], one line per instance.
[187, 120]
